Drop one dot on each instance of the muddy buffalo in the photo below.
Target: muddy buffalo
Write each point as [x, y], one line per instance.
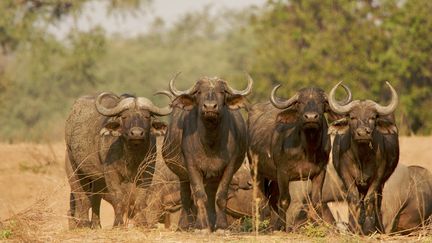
[110, 152]
[204, 146]
[365, 154]
[289, 142]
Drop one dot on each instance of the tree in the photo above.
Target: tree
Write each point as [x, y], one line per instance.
[363, 42]
[39, 74]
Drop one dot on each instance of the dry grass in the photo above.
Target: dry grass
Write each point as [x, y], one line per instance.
[33, 206]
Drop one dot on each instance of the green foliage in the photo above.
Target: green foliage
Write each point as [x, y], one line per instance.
[315, 231]
[365, 43]
[248, 225]
[296, 43]
[5, 234]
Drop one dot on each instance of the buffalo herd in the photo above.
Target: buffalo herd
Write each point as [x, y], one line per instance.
[208, 167]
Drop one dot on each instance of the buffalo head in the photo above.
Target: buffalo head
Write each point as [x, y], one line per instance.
[306, 107]
[363, 116]
[210, 96]
[130, 116]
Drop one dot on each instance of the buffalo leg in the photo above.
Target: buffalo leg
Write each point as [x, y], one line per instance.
[222, 194]
[186, 217]
[259, 186]
[116, 194]
[211, 189]
[200, 198]
[380, 224]
[315, 212]
[283, 202]
[273, 197]
[79, 199]
[372, 213]
[355, 209]
[96, 198]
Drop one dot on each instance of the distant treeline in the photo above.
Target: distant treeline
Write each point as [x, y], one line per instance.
[295, 43]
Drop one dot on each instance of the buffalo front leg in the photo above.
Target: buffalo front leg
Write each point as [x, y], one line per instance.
[186, 216]
[200, 198]
[116, 195]
[355, 209]
[222, 195]
[315, 212]
[283, 202]
[372, 221]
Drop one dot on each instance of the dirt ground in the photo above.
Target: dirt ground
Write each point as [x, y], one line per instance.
[35, 192]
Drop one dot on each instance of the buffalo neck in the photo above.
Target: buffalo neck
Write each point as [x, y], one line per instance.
[363, 152]
[312, 140]
[210, 133]
[135, 154]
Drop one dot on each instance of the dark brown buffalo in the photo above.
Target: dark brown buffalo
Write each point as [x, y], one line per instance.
[204, 146]
[289, 142]
[110, 151]
[365, 154]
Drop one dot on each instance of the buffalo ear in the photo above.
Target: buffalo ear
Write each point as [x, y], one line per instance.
[185, 102]
[340, 126]
[287, 116]
[111, 127]
[158, 127]
[235, 102]
[386, 126]
[331, 115]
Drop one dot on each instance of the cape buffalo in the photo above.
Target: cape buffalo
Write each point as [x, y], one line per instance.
[365, 154]
[204, 146]
[110, 152]
[406, 203]
[288, 142]
[164, 201]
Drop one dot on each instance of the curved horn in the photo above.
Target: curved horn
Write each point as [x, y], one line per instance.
[175, 91]
[281, 104]
[340, 107]
[244, 92]
[121, 106]
[348, 99]
[145, 103]
[166, 93]
[386, 110]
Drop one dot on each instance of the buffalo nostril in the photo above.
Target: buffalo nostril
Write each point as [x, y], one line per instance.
[137, 132]
[250, 182]
[210, 105]
[310, 116]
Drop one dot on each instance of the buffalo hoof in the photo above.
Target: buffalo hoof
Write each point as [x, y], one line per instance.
[96, 225]
[202, 231]
[73, 224]
[222, 232]
[342, 227]
[369, 225]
